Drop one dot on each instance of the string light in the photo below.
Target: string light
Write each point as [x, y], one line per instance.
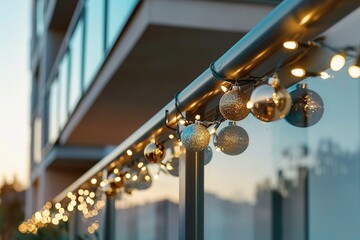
[298, 72]
[129, 152]
[338, 61]
[291, 45]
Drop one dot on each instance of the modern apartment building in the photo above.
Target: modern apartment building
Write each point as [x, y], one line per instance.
[105, 71]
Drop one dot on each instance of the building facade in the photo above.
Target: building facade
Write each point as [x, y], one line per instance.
[102, 72]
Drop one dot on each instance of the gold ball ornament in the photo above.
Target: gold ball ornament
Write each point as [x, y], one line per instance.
[195, 137]
[154, 152]
[307, 107]
[115, 181]
[232, 104]
[270, 102]
[232, 140]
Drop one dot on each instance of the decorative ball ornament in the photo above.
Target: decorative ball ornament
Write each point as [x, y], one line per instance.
[270, 102]
[232, 104]
[172, 166]
[307, 107]
[195, 137]
[154, 152]
[232, 140]
[115, 181]
[208, 154]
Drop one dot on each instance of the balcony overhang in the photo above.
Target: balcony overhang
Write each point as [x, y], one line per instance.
[163, 48]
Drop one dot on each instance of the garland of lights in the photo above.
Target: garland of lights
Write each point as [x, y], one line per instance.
[268, 102]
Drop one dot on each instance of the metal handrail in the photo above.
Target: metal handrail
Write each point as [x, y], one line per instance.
[256, 54]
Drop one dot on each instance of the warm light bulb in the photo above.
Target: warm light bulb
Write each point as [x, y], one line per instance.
[134, 178]
[212, 131]
[140, 164]
[127, 175]
[249, 105]
[291, 45]
[197, 117]
[298, 72]
[224, 89]
[117, 179]
[116, 171]
[171, 136]
[354, 71]
[129, 152]
[325, 75]
[93, 181]
[182, 121]
[102, 184]
[180, 143]
[57, 205]
[337, 62]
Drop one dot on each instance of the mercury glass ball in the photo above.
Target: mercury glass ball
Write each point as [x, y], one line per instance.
[307, 108]
[270, 102]
[154, 152]
[232, 140]
[172, 166]
[232, 105]
[208, 154]
[112, 179]
[144, 180]
[195, 137]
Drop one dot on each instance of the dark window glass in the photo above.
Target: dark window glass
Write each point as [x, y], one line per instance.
[94, 39]
[118, 14]
[76, 43]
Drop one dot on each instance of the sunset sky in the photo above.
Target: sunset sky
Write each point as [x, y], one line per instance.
[15, 84]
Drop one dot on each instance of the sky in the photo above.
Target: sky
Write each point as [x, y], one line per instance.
[15, 82]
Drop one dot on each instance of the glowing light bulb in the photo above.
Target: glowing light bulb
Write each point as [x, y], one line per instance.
[93, 181]
[249, 105]
[127, 175]
[140, 164]
[117, 179]
[180, 143]
[325, 75]
[129, 152]
[171, 136]
[354, 71]
[134, 178]
[338, 62]
[298, 72]
[116, 171]
[57, 205]
[224, 89]
[182, 121]
[197, 117]
[212, 131]
[291, 45]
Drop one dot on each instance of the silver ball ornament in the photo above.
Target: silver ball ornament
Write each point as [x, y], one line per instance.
[307, 107]
[195, 137]
[232, 140]
[270, 102]
[232, 104]
[154, 152]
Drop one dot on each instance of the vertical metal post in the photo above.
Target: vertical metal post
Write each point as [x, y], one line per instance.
[191, 202]
[109, 230]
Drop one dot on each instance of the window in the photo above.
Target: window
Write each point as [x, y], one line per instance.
[291, 183]
[94, 39]
[53, 125]
[119, 11]
[63, 75]
[39, 25]
[76, 43]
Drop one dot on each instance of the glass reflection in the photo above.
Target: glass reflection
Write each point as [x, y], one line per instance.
[53, 112]
[76, 65]
[94, 39]
[291, 183]
[147, 206]
[63, 75]
[119, 11]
